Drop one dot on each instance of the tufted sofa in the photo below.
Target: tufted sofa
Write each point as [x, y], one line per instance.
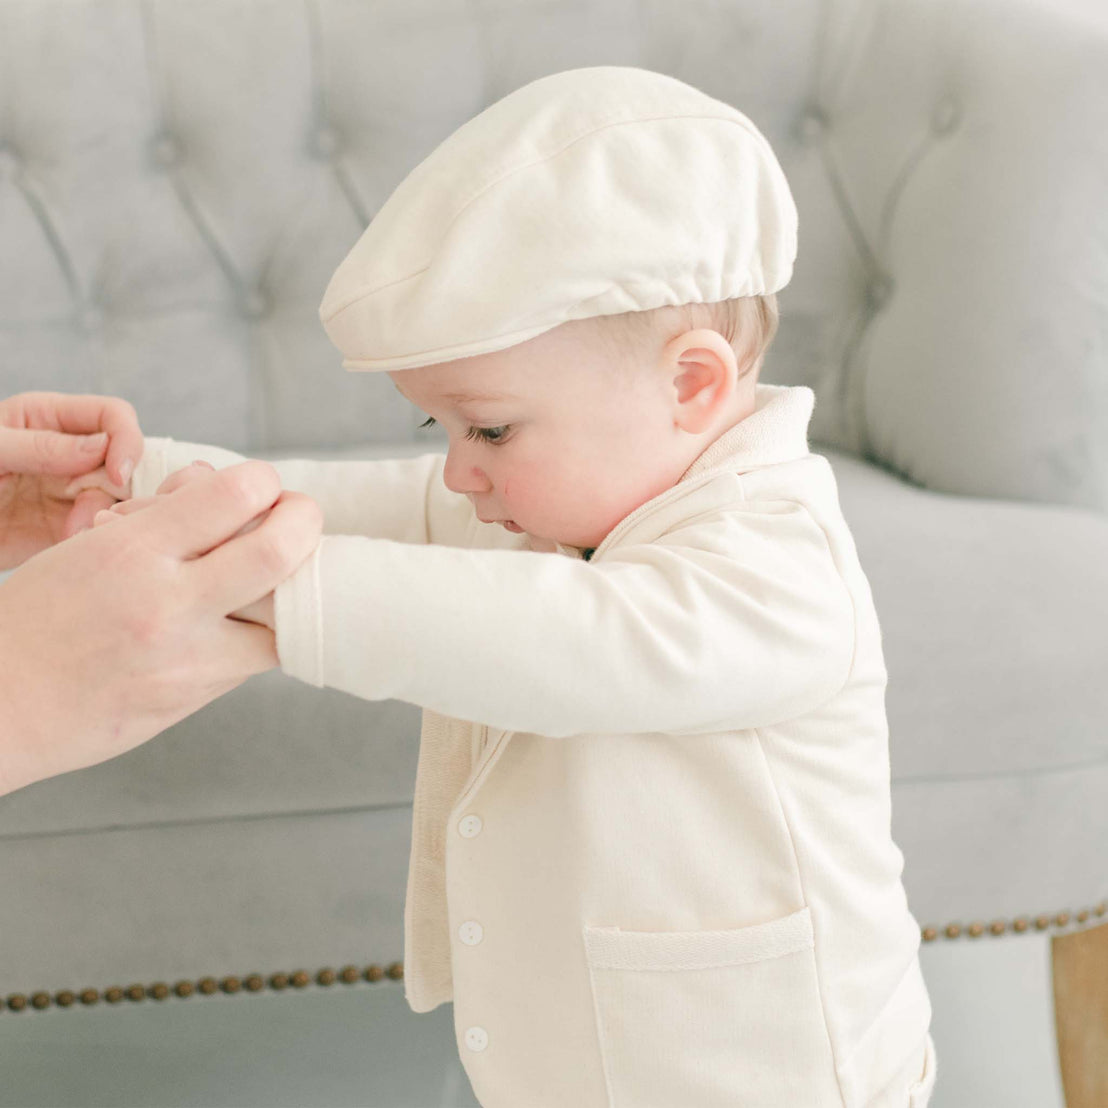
[216, 917]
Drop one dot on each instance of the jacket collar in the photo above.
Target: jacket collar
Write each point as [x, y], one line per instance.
[776, 431]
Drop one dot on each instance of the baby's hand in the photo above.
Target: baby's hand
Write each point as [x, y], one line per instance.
[260, 611]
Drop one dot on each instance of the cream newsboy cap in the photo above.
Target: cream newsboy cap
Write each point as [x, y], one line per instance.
[588, 192]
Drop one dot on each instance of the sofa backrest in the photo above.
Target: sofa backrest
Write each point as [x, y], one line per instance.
[179, 180]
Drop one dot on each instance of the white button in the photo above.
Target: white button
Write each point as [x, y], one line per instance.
[477, 1038]
[470, 826]
[471, 932]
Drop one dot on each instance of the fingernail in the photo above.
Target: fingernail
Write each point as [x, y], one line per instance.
[125, 471]
[94, 443]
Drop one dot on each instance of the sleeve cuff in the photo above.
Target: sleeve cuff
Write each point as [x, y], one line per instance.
[298, 621]
[152, 468]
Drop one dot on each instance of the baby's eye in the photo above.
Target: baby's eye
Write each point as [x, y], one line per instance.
[491, 435]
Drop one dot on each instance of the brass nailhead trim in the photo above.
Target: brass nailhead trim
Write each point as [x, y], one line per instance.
[1020, 924]
[254, 983]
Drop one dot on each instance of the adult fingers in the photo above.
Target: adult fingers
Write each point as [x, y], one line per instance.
[255, 563]
[207, 511]
[49, 452]
[79, 415]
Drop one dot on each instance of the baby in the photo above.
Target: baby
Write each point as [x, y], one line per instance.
[651, 859]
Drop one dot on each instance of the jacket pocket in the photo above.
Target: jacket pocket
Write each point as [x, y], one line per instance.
[919, 1094]
[712, 1019]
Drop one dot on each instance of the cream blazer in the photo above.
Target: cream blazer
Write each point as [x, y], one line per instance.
[651, 859]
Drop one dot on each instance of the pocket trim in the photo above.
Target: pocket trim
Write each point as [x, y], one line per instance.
[614, 948]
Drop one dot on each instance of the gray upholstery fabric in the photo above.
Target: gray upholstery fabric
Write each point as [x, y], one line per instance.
[179, 179]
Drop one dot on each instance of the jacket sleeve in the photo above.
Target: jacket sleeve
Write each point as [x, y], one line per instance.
[401, 499]
[740, 622]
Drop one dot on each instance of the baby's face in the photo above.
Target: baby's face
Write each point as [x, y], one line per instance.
[568, 446]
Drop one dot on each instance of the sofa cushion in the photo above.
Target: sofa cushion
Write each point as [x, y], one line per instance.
[995, 636]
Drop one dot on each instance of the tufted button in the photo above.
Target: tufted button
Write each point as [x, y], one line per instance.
[945, 116]
[165, 151]
[325, 142]
[812, 125]
[470, 826]
[255, 304]
[471, 932]
[11, 167]
[477, 1038]
[879, 290]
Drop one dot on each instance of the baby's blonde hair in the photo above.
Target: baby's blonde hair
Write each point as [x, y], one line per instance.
[748, 323]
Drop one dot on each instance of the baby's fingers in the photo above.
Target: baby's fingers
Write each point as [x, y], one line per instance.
[84, 510]
[97, 479]
[182, 476]
[121, 508]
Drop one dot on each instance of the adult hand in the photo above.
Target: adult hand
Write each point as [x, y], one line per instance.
[110, 637]
[47, 439]
[261, 611]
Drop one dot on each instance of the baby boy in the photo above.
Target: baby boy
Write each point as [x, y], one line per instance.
[651, 860]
